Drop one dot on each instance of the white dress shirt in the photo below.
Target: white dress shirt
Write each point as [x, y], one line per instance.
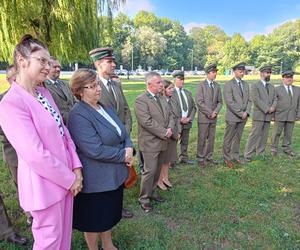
[102, 112]
[286, 88]
[184, 113]
[104, 81]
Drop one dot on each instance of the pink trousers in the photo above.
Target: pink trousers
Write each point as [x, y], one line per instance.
[52, 227]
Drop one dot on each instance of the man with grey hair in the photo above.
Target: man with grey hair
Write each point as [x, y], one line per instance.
[154, 128]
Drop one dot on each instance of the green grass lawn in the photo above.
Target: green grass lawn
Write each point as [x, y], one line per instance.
[255, 206]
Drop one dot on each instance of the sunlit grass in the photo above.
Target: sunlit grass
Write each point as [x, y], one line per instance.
[255, 206]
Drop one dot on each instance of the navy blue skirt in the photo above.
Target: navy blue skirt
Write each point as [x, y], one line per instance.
[97, 212]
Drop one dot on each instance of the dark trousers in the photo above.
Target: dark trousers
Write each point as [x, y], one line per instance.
[184, 143]
[6, 229]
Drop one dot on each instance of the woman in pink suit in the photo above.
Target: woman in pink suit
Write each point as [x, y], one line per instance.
[49, 170]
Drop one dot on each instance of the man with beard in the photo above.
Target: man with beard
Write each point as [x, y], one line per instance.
[238, 104]
[287, 112]
[264, 99]
[59, 90]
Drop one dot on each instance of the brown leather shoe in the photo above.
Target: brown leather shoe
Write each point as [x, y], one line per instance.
[126, 214]
[229, 164]
[147, 207]
[158, 198]
[17, 239]
[239, 161]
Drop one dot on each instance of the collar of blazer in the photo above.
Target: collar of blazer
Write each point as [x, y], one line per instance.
[60, 91]
[100, 118]
[32, 101]
[108, 96]
[235, 84]
[151, 97]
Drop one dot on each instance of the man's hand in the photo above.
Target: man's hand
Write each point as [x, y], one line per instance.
[128, 155]
[271, 110]
[245, 115]
[184, 120]
[213, 115]
[169, 133]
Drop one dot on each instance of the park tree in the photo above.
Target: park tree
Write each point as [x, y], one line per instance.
[177, 46]
[69, 28]
[235, 50]
[208, 43]
[123, 29]
[285, 44]
[147, 19]
[197, 35]
[281, 48]
[151, 45]
[256, 47]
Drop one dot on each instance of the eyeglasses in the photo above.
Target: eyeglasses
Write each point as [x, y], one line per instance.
[43, 61]
[94, 86]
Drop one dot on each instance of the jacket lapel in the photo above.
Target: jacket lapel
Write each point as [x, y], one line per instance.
[64, 89]
[99, 117]
[154, 102]
[177, 101]
[264, 90]
[118, 94]
[53, 88]
[208, 89]
[106, 94]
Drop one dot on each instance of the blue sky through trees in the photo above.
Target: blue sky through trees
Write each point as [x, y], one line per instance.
[246, 17]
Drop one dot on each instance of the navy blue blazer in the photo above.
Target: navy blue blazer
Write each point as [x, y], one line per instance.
[100, 148]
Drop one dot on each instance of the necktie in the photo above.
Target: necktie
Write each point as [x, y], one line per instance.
[156, 97]
[241, 89]
[111, 93]
[58, 85]
[290, 92]
[184, 105]
[212, 89]
[267, 87]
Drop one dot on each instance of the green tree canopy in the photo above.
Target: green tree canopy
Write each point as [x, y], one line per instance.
[69, 28]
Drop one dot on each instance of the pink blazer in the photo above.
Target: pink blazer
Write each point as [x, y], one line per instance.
[45, 158]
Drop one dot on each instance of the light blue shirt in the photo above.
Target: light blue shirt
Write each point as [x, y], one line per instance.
[102, 112]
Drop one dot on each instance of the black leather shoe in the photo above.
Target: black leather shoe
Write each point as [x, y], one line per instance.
[158, 199]
[290, 153]
[126, 214]
[147, 207]
[17, 239]
[187, 162]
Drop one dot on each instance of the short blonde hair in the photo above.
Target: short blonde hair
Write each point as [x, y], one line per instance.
[81, 78]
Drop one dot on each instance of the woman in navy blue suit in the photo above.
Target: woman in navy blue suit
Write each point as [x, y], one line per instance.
[104, 149]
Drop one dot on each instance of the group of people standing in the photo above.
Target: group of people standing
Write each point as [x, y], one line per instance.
[73, 147]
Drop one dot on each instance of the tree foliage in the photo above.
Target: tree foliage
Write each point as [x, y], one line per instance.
[69, 28]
